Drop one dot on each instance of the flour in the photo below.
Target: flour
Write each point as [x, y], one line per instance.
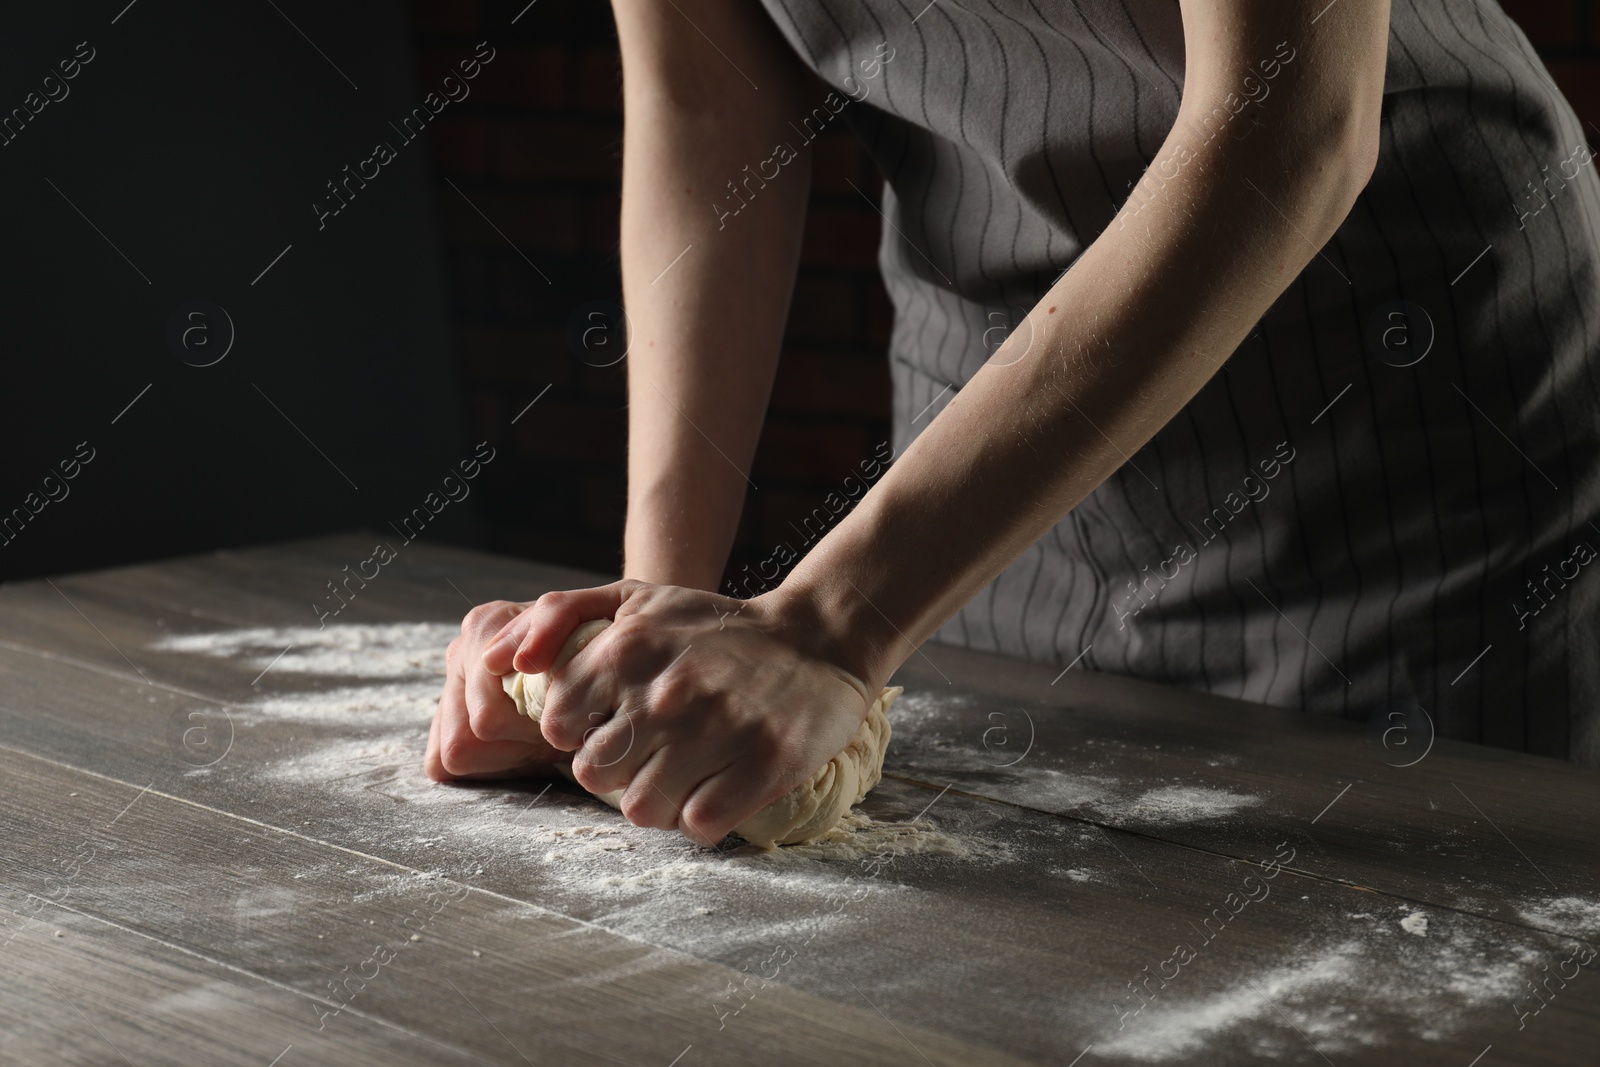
[1189, 803]
[1362, 974]
[1049, 789]
[859, 836]
[387, 704]
[548, 844]
[388, 886]
[652, 878]
[542, 840]
[366, 650]
[1186, 1027]
[920, 711]
[402, 665]
[1355, 985]
[1570, 916]
[943, 734]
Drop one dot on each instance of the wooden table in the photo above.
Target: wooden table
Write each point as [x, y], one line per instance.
[219, 849]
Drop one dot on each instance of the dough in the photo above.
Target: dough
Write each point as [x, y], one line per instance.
[807, 811]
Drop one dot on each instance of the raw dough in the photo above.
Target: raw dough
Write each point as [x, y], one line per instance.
[807, 811]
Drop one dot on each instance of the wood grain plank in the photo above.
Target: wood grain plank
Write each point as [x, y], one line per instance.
[1000, 927]
[1467, 827]
[1130, 813]
[112, 619]
[150, 885]
[79, 990]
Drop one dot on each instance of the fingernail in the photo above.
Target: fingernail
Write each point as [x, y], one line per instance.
[505, 644]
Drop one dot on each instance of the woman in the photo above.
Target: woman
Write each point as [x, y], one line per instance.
[1379, 224]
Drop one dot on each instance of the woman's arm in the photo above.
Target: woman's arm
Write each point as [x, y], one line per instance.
[705, 334]
[713, 708]
[1216, 230]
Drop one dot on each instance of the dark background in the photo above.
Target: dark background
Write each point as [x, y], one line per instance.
[184, 159]
[538, 147]
[410, 328]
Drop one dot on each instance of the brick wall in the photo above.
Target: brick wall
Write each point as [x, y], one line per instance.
[537, 148]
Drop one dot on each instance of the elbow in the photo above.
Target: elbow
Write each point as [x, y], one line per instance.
[1356, 147]
[1338, 159]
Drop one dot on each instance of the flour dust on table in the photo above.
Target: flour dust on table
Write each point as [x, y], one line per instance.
[1357, 981]
[361, 721]
[934, 743]
[351, 650]
[335, 755]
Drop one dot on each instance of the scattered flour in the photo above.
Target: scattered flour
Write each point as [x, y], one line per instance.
[1355, 987]
[542, 840]
[1356, 981]
[1051, 789]
[569, 853]
[347, 650]
[1190, 803]
[1571, 916]
[859, 836]
[387, 704]
[388, 886]
[942, 733]
[651, 878]
[1187, 1026]
[401, 664]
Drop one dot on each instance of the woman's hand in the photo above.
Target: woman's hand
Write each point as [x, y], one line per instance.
[703, 708]
[477, 732]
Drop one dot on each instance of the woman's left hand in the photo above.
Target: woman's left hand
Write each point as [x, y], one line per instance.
[703, 708]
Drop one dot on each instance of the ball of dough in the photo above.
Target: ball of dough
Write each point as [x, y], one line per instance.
[807, 811]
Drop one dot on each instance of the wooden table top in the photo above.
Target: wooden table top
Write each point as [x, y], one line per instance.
[219, 848]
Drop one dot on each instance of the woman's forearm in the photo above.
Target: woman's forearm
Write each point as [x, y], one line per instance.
[1117, 347]
[707, 292]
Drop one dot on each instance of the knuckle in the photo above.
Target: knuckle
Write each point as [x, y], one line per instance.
[593, 778]
[706, 821]
[558, 730]
[634, 595]
[610, 653]
[455, 754]
[641, 810]
[600, 750]
[634, 809]
[706, 808]
[486, 616]
[628, 636]
[483, 722]
[555, 600]
[674, 691]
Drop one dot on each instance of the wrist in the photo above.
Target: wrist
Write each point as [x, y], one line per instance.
[661, 551]
[667, 568]
[680, 527]
[829, 620]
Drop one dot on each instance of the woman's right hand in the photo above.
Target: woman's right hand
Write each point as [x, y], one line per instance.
[477, 731]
